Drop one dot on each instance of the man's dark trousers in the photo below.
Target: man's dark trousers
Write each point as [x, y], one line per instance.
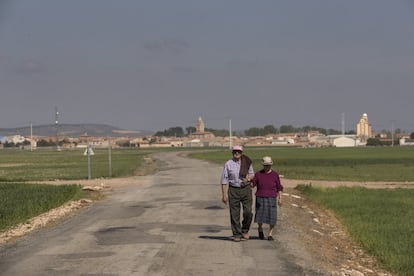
[240, 197]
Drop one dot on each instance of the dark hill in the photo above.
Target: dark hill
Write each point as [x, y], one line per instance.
[73, 130]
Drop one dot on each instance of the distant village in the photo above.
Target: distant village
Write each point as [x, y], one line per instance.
[203, 138]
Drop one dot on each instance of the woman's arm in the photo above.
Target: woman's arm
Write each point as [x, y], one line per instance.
[279, 198]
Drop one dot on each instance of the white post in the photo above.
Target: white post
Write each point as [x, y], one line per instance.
[110, 157]
[230, 139]
[31, 137]
[88, 152]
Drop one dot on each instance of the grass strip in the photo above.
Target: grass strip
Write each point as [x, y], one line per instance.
[20, 202]
[381, 220]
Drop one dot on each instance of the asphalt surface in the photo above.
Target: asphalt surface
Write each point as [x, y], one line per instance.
[170, 223]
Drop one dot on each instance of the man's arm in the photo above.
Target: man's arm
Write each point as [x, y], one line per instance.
[250, 174]
[224, 196]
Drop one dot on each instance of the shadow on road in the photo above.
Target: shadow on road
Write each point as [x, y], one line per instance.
[226, 238]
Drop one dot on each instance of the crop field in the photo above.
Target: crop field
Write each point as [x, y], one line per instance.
[43, 165]
[20, 202]
[381, 220]
[336, 164]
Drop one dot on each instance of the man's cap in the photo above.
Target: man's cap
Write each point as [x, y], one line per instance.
[240, 148]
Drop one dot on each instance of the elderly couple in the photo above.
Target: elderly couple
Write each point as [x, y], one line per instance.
[237, 179]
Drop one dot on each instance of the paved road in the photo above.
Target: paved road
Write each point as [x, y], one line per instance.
[170, 223]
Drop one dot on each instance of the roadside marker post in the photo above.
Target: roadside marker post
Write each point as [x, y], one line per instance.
[89, 151]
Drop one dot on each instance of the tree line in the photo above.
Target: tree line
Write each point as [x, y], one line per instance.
[178, 131]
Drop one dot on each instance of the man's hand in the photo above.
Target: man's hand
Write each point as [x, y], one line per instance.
[225, 199]
[245, 180]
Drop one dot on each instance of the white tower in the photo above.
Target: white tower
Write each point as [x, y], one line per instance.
[363, 128]
[200, 125]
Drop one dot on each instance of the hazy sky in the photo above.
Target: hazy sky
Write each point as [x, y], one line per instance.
[152, 64]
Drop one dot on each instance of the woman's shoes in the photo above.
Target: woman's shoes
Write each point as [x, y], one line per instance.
[261, 236]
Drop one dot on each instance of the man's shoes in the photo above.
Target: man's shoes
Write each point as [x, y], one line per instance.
[236, 239]
[261, 235]
[245, 236]
[270, 238]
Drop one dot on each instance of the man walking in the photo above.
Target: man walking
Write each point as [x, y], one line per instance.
[235, 186]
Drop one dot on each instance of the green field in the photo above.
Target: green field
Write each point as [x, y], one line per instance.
[382, 221]
[41, 165]
[20, 202]
[336, 164]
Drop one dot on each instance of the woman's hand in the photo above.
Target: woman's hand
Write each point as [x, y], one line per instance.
[279, 202]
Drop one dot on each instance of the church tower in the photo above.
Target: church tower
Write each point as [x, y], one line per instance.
[201, 133]
[200, 125]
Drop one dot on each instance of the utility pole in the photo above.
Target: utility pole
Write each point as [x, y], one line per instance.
[230, 139]
[89, 161]
[31, 136]
[56, 128]
[110, 157]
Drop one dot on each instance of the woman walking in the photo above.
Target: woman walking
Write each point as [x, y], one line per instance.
[268, 196]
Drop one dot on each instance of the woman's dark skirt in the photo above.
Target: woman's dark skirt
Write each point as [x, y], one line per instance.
[266, 210]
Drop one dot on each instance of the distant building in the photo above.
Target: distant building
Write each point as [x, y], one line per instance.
[200, 131]
[200, 127]
[344, 141]
[406, 142]
[363, 129]
[16, 139]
